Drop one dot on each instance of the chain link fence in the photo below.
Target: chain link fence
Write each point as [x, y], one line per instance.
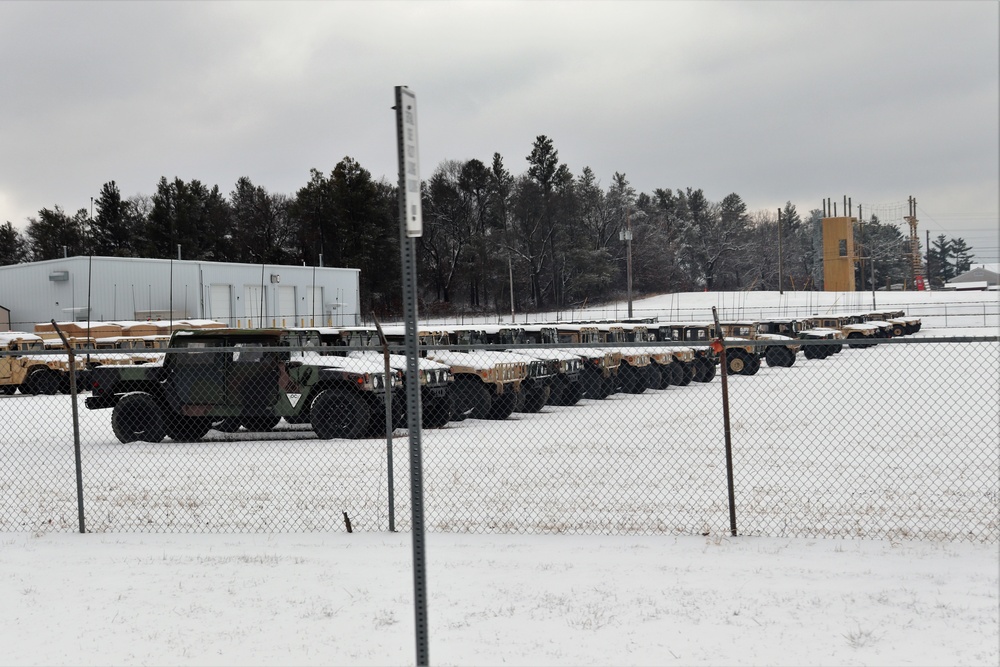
[895, 440]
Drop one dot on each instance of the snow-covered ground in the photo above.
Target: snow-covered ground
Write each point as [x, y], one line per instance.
[302, 591]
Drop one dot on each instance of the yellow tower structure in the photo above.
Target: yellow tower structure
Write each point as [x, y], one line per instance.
[838, 254]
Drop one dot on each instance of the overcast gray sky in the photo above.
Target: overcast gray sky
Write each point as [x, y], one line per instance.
[775, 101]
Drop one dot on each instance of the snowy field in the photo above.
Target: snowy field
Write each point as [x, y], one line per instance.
[869, 443]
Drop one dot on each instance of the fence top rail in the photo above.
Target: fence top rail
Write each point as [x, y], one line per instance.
[926, 340]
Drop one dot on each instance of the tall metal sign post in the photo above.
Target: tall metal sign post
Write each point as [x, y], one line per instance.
[411, 227]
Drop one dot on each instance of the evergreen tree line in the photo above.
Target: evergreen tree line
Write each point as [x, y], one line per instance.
[554, 239]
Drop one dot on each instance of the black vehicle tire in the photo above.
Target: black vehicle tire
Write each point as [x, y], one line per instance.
[437, 412]
[340, 414]
[706, 370]
[609, 385]
[593, 384]
[181, 428]
[753, 365]
[41, 380]
[472, 398]
[502, 405]
[690, 371]
[259, 423]
[661, 378]
[138, 417]
[535, 398]
[780, 357]
[632, 381]
[813, 351]
[736, 362]
[8, 389]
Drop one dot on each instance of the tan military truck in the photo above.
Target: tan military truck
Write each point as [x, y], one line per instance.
[22, 369]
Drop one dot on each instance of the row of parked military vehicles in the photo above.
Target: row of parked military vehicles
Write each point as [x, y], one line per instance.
[349, 382]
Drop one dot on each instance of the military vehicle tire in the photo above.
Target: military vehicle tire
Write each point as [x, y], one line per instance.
[437, 412]
[534, 398]
[41, 380]
[753, 365]
[690, 372]
[502, 405]
[780, 357]
[182, 428]
[472, 398]
[8, 389]
[339, 414]
[137, 416]
[705, 370]
[736, 363]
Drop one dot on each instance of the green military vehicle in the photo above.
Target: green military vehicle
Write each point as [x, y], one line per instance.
[232, 378]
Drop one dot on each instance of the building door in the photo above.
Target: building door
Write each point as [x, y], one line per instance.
[220, 304]
[254, 303]
[285, 313]
[314, 307]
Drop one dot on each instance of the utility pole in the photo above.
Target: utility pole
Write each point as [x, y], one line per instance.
[928, 249]
[781, 268]
[626, 235]
[915, 264]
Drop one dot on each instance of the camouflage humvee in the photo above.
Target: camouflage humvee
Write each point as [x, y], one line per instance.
[232, 378]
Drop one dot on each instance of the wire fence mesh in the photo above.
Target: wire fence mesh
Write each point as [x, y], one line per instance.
[895, 440]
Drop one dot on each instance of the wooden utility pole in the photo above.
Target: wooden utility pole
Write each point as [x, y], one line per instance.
[781, 268]
[916, 265]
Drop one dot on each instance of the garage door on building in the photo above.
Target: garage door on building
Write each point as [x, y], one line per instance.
[254, 305]
[285, 313]
[313, 312]
[220, 303]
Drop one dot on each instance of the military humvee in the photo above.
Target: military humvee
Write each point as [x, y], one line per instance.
[487, 384]
[781, 331]
[599, 375]
[434, 379]
[20, 370]
[698, 334]
[232, 378]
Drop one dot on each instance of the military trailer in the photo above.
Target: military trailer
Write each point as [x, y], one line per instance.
[231, 378]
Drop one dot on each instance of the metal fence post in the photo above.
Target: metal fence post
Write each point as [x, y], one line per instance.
[76, 427]
[725, 421]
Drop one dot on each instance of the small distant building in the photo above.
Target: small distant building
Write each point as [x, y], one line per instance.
[108, 289]
[983, 276]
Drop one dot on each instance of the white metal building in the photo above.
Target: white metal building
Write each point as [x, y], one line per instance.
[978, 277]
[114, 288]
